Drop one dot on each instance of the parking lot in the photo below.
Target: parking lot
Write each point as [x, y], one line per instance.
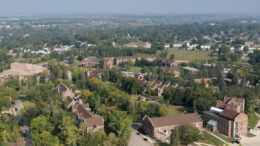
[138, 139]
[252, 141]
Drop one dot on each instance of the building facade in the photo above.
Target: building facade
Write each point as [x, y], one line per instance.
[161, 127]
[226, 122]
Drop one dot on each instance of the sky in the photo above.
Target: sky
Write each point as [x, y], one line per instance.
[36, 7]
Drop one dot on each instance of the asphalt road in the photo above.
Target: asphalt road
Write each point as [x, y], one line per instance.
[27, 138]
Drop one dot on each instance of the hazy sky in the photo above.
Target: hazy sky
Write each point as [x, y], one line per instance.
[31, 7]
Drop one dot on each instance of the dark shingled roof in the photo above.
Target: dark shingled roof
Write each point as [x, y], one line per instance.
[175, 120]
[61, 88]
[94, 121]
[229, 114]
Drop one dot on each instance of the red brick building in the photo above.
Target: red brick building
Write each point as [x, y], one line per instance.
[83, 112]
[95, 62]
[161, 127]
[232, 103]
[108, 63]
[227, 122]
[90, 62]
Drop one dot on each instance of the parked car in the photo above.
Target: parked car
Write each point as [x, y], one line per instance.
[235, 142]
[24, 133]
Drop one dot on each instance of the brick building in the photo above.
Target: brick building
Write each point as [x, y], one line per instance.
[161, 127]
[227, 122]
[232, 103]
[22, 70]
[83, 112]
[90, 62]
[95, 62]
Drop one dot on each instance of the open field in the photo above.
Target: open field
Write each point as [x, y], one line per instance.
[189, 55]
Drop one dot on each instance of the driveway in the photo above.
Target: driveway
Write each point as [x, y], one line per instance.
[137, 140]
[27, 137]
[18, 105]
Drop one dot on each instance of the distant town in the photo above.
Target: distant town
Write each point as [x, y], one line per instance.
[98, 81]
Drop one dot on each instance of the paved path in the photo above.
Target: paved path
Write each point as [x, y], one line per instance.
[257, 114]
[18, 106]
[27, 138]
[202, 144]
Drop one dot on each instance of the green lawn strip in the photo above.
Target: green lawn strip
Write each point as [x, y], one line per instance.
[209, 139]
[27, 104]
[227, 139]
[135, 69]
[250, 135]
[189, 55]
[252, 119]
[175, 110]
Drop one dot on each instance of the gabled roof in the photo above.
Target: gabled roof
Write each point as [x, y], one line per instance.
[170, 69]
[229, 114]
[175, 120]
[233, 100]
[61, 88]
[94, 121]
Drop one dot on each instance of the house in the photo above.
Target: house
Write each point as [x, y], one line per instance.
[134, 58]
[206, 81]
[94, 74]
[161, 127]
[138, 44]
[249, 44]
[22, 70]
[125, 59]
[190, 70]
[108, 63]
[227, 122]
[83, 112]
[148, 58]
[65, 92]
[177, 45]
[140, 76]
[172, 69]
[205, 47]
[167, 62]
[232, 103]
[159, 87]
[95, 62]
[208, 66]
[90, 62]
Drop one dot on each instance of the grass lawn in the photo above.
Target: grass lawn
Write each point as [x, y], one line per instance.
[252, 119]
[227, 139]
[175, 110]
[27, 104]
[134, 98]
[189, 55]
[20, 142]
[250, 135]
[209, 139]
[134, 69]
